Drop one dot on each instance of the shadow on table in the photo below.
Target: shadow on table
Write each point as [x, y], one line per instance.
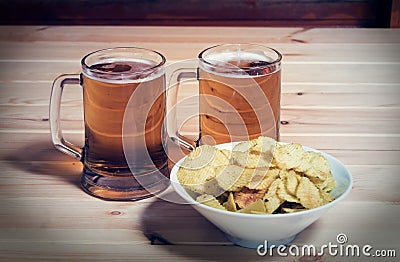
[181, 230]
[44, 159]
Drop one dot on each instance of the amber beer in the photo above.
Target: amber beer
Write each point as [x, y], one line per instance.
[123, 156]
[239, 94]
[105, 102]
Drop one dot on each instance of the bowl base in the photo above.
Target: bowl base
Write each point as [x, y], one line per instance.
[265, 243]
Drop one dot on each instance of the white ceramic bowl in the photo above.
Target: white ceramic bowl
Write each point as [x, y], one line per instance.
[252, 230]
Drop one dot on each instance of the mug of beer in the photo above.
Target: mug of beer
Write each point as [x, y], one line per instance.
[109, 78]
[248, 77]
[239, 93]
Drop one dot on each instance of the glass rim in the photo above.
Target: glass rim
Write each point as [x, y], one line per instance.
[86, 67]
[268, 64]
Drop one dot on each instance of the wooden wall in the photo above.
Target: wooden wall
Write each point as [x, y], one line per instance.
[346, 13]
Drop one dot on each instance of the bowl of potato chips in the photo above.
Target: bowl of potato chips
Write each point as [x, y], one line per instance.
[260, 191]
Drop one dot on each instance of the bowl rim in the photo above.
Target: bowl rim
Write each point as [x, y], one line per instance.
[179, 189]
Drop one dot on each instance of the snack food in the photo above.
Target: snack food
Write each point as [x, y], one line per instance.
[259, 176]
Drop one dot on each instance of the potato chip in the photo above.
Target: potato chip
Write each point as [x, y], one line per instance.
[271, 198]
[319, 169]
[319, 163]
[227, 153]
[303, 166]
[200, 157]
[257, 207]
[233, 178]
[326, 197]
[205, 198]
[273, 188]
[308, 193]
[230, 177]
[249, 160]
[330, 183]
[221, 158]
[263, 180]
[253, 174]
[230, 204]
[265, 146]
[242, 146]
[318, 182]
[199, 180]
[284, 194]
[326, 185]
[210, 187]
[210, 201]
[250, 154]
[289, 156]
[292, 181]
[292, 210]
[195, 176]
[273, 204]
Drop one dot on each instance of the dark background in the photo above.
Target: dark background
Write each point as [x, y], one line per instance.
[312, 13]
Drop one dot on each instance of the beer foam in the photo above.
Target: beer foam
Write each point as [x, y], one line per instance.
[138, 71]
[222, 61]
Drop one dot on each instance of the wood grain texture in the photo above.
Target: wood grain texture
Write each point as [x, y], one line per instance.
[340, 93]
[312, 53]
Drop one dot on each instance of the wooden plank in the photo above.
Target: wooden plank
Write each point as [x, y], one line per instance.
[293, 94]
[346, 95]
[298, 72]
[340, 35]
[366, 157]
[22, 71]
[15, 116]
[331, 97]
[191, 234]
[31, 146]
[292, 52]
[375, 183]
[192, 34]
[172, 34]
[115, 216]
[356, 142]
[375, 127]
[27, 181]
[343, 115]
[37, 93]
[375, 89]
[358, 215]
[124, 251]
[295, 122]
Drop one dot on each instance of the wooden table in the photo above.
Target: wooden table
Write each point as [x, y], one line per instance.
[340, 94]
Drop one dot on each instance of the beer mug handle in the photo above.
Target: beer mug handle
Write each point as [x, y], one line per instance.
[54, 115]
[188, 72]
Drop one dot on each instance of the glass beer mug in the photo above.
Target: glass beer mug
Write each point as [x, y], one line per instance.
[109, 78]
[239, 93]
